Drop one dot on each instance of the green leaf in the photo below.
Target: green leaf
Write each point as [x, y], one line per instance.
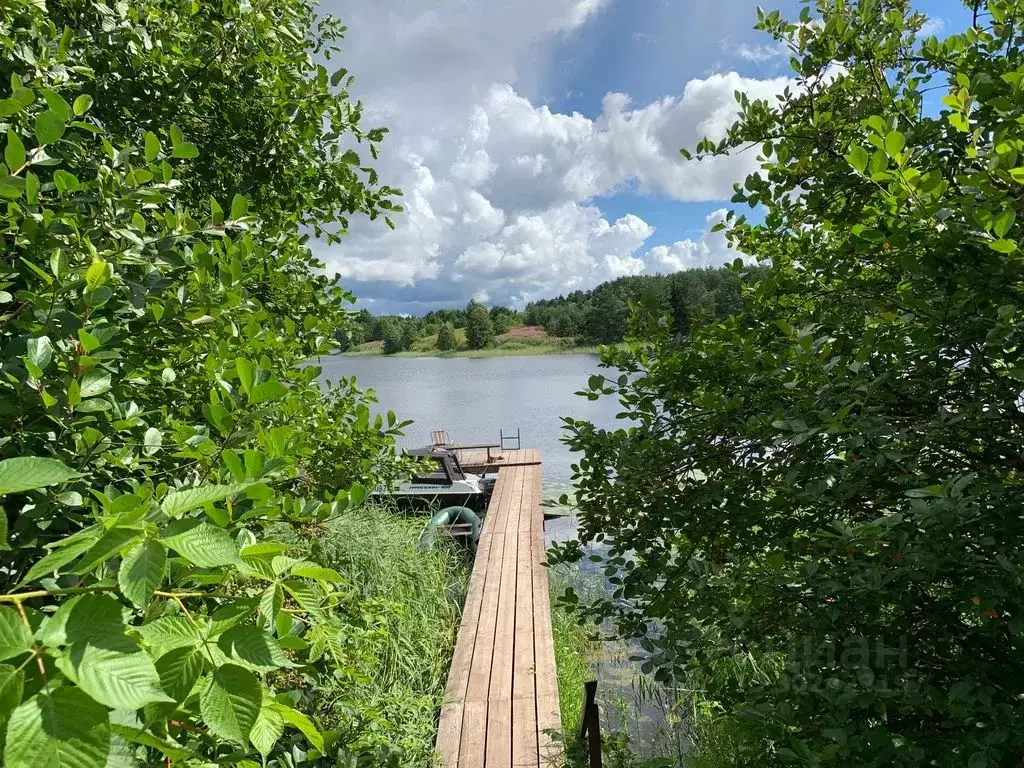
[95, 382]
[1003, 246]
[239, 206]
[57, 559]
[114, 677]
[177, 503]
[267, 391]
[204, 545]
[12, 685]
[142, 571]
[60, 729]
[894, 143]
[15, 636]
[231, 702]
[109, 545]
[867, 233]
[40, 351]
[86, 619]
[97, 274]
[268, 728]
[246, 374]
[253, 647]
[152, 146]
[152, 440]
[1017, 174]
[179, 670]
[318, 573]
[186, 150]
[302, 722]
[234, 465]
[57, 103]
[228, 616]
[167, 633]
[1003, 222]
[26, 473]
[49, 127]
[139, 736]
[271, 601]
[11, 187]
[31, 188]
[858, 158]
[89, 342]
[82, 104]
[356, 494]
[14, 152]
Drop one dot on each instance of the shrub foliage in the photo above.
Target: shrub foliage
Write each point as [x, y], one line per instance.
[163, 163]
[828, 483]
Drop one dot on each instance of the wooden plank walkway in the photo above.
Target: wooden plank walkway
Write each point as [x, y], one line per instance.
[476, 460]
[502, 693]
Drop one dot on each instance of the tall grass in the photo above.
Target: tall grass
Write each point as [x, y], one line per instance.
[645, 723]
[574, 651]
[405, 656]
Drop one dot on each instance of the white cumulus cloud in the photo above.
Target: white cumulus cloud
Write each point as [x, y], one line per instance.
[501, 194]
[710, 249]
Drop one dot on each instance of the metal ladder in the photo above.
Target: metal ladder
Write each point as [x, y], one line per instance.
[506, 440]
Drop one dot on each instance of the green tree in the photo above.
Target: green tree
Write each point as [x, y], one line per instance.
[564, 322]
[162, 435]
[504, 319]
[607, 319]
[411, 333]
[823, 493]
[446, 340]
[391, 333]
[479, 328]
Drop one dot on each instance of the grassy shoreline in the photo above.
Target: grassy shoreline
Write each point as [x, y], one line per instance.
[521, 341]
[498, 351]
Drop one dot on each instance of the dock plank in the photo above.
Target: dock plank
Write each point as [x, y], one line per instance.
[502, 692]
[454, 716]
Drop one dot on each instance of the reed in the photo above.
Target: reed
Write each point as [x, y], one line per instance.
[419, 594]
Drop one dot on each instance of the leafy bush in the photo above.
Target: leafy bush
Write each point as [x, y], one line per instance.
[828, 483]
[479, 328]
[446, 340]
[159, 426]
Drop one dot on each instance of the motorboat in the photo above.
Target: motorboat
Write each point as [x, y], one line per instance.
[441, 481]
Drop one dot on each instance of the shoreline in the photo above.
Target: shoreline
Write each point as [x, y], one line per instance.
[524, 351]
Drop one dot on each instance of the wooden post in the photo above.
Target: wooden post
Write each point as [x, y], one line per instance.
[590, 724]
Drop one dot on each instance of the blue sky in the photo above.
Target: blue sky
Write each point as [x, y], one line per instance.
[649, 48]
[537, 141]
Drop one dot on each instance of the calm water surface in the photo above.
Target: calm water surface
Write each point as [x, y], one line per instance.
[474, 398]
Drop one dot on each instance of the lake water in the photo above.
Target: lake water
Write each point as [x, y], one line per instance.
[475, 398]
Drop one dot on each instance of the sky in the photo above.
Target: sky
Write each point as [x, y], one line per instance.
[536, 142]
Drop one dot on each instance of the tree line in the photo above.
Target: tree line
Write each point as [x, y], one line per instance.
[600, 315]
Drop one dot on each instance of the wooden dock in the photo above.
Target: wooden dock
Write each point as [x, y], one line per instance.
[502, 693]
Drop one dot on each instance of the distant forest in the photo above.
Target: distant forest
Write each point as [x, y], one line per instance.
[597, 316]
